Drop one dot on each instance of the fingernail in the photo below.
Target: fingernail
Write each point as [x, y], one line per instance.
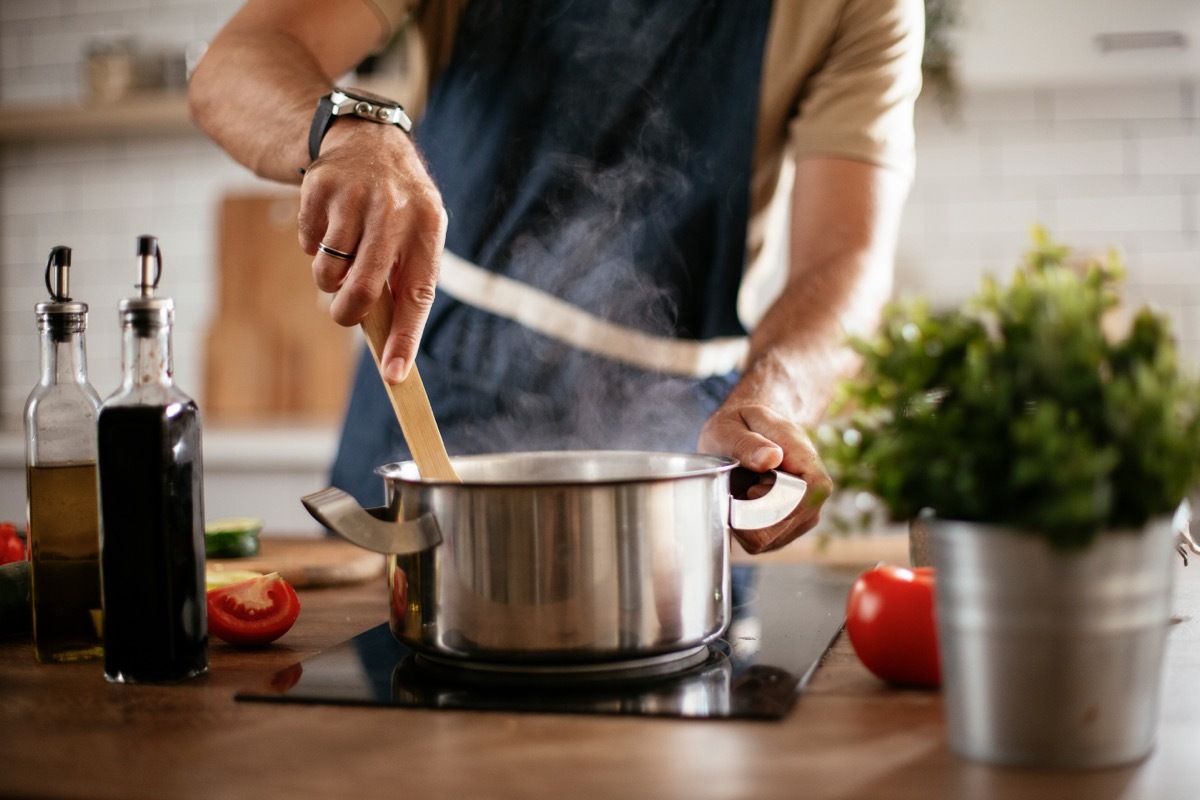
[396, 370]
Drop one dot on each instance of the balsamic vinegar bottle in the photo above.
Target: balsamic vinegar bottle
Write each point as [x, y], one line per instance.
[60, 471]
[151, 501]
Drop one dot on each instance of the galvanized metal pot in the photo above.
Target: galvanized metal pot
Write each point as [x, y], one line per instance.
[559, 557]
[1052, 659]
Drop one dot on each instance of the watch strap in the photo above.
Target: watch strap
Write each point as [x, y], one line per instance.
[321, 121]
[344, 102]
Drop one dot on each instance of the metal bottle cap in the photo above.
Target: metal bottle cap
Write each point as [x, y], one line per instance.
[146, 309]
[58, 284]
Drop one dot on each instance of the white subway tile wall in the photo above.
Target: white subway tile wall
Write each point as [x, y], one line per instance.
[1099, 166]
[98, 195]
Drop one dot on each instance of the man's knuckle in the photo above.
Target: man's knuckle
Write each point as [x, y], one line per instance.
[404, 341]
[356, 294]
[421, 294]
[325, 281]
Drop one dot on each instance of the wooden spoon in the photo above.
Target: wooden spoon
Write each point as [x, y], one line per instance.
[409, 400]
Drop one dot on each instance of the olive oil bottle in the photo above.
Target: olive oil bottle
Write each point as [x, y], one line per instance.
[151, 501]
[60, 459]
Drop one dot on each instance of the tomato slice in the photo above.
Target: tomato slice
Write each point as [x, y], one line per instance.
[12, 546]
[890, 622]
[253, 612]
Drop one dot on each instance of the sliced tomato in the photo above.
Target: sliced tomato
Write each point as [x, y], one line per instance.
[890, 622]
[12, 546]
[253, 612]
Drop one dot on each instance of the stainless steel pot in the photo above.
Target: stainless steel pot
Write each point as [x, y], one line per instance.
[558, 556]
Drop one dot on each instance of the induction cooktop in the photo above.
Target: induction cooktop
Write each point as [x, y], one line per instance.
[785, 617]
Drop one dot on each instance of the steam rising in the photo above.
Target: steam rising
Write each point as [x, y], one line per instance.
[599, 236]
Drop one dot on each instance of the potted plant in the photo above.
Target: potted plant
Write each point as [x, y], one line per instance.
[1044, 446]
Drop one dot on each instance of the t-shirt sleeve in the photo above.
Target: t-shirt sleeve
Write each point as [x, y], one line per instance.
[392, 13]
[436, 25]
[859, 103]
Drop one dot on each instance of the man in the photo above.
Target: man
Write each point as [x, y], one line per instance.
[590, 183]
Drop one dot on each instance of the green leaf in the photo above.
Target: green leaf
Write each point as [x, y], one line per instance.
[1015, 408]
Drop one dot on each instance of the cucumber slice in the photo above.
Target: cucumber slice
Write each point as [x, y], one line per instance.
[232, 537]
[223, 577]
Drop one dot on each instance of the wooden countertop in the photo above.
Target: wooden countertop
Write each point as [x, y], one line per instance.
[65, 732]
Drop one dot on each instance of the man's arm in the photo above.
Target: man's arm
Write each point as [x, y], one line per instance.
[255, 92]
[845, 218]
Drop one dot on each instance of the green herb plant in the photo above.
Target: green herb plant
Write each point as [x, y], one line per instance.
[1021, 408]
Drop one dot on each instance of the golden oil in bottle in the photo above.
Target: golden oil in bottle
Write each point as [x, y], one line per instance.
[64, 552]
[61, 487]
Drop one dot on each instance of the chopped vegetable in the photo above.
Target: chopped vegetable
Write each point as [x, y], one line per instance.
[253, 612]
[223, 577]
[12, 546]
[232, 537]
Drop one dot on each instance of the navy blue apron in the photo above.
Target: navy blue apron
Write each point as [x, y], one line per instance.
[600, 152]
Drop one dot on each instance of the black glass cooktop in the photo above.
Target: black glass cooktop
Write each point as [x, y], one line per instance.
[785, 618]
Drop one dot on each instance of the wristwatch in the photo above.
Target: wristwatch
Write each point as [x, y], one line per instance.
[353, 103]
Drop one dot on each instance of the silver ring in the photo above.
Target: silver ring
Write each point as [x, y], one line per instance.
[329, 251]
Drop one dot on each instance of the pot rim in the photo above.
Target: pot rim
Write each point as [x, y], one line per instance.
[697, 465]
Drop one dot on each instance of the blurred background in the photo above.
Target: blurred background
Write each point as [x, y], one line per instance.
[1080, 115]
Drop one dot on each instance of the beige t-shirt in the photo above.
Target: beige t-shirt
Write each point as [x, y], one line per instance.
[840, 78]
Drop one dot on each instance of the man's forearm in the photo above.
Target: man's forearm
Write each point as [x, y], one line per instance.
[256, 101]
[795, 361]
[845, 216]
[255, 90]
[367, 193]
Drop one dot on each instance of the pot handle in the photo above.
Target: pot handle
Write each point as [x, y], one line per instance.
[369, 527]
[773, 507]
[1184, 541]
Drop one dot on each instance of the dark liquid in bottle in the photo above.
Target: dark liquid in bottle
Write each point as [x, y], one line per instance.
[152, 551]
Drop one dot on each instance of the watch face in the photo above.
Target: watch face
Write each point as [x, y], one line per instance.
[370, 106]
[370, 97]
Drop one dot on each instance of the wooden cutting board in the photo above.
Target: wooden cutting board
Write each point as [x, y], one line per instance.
[309, 563]
[272, 349]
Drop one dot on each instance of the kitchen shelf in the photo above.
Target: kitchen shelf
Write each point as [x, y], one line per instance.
[137, 114]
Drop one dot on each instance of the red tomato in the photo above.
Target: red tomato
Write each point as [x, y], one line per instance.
[12, 547]
[890, 622]
[252, 612]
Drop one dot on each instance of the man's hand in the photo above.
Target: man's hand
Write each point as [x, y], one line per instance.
[763, 440]
[369, 194]
[844, 220]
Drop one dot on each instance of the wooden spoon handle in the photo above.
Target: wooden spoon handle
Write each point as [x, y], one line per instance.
[409, 400]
